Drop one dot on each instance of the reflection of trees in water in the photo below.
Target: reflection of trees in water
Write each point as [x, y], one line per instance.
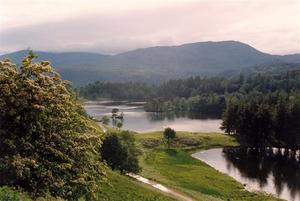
[197, 115]
[253, 164]
[160, 116]
[172, 115]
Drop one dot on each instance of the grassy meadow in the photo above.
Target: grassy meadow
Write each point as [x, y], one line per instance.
[121, 188]
[117, 188]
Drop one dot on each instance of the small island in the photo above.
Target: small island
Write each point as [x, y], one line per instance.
[115, 114]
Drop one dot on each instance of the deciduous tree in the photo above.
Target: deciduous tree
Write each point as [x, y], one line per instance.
[46, 142]
[169, 135]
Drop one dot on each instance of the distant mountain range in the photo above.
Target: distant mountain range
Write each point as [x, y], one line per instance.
[156, 64]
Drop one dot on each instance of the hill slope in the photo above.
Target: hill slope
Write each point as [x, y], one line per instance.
[158, 63]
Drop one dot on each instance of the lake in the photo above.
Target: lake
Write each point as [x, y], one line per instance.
[136, 119]
[272, 171]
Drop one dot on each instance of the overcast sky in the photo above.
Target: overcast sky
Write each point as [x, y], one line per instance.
[112, 26]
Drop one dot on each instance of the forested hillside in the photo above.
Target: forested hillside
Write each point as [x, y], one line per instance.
[157, 64]
[196, 93]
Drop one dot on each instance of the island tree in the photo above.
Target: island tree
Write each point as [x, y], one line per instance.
[105, 120]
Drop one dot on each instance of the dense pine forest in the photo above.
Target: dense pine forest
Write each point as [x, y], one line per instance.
[265, 120]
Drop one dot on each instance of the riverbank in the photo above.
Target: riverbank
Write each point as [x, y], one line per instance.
[177, 169]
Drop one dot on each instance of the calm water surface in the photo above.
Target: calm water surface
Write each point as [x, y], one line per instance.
[273, 172]
[136, 119]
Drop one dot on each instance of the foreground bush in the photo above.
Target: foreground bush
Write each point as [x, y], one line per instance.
[120, 152]
[46, 143]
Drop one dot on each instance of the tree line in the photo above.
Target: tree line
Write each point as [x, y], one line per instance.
[193, 86]
[195, 94]
[209, 95]
[132, 91]
[264, 120]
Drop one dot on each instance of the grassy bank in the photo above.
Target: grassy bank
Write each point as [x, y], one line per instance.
[188, 141]
[120, 188]
[117, 188]
[177, 169]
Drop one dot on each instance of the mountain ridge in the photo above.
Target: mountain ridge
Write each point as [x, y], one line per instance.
[156, 64]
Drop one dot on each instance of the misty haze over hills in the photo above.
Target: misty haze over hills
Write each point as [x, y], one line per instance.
[156, 64]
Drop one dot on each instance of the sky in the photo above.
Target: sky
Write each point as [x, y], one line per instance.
[114, 26]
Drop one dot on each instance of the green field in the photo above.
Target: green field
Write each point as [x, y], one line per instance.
[121, 188]
[117, 188]
[176, 168]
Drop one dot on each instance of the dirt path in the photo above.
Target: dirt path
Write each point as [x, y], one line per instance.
[160, 187]
[103, 128]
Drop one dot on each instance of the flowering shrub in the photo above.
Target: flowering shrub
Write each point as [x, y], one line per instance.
[47, 145]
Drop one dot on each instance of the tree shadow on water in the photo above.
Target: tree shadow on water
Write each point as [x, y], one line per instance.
[260, 165]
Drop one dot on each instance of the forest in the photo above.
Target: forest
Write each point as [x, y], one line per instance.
[195, 93]
[261, 121]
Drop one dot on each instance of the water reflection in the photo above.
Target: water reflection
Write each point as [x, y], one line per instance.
[136, 119]
[283, 166]
[274, 171]
[161, 116]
